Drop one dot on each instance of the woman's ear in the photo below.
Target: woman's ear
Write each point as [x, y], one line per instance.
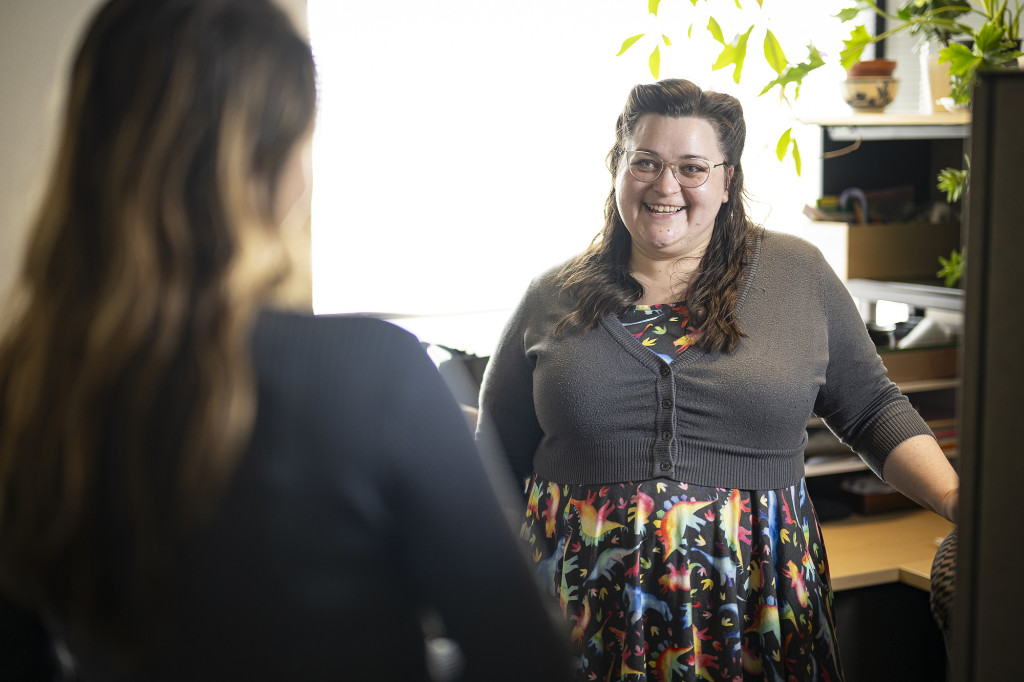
[728, 183]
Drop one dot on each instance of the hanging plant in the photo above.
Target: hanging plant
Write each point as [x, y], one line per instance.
[734, 52]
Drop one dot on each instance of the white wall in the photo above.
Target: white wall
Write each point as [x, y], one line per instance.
[37, 40]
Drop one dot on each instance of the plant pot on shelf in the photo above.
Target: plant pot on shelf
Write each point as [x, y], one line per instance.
[870, 86]
[872, 68]
[869, 94]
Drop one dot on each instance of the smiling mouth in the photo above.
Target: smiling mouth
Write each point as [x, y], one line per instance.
[663, 209]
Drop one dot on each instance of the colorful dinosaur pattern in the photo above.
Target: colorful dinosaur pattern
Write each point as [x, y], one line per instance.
[661, 581]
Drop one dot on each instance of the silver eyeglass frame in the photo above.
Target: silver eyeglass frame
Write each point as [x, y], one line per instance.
[675, 168]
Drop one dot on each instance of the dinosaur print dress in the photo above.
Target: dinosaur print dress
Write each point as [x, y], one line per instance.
[662, 581]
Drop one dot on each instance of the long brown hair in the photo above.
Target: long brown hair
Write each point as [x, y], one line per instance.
[598, 281]
[126, 393]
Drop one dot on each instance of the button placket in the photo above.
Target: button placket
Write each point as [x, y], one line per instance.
[665, 422]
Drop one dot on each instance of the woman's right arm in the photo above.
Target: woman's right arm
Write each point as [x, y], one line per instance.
[507, 426]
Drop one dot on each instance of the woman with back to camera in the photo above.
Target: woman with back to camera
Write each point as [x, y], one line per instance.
[194, 486]
[655, 392]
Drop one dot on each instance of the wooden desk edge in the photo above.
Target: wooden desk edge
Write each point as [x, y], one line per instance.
[851, 573]
[865, 579]
[915, 578]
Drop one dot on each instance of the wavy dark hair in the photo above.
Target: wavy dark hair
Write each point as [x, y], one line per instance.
[598, 282]
[126, 391]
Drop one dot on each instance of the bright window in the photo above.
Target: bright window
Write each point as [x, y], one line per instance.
[427, 197]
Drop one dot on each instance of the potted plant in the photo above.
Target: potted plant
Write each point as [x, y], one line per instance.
[968, 50]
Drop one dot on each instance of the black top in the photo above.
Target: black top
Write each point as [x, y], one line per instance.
[360, 504]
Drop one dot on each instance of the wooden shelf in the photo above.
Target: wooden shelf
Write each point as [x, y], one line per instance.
[951, 125]
[923, 385]
[883, 119]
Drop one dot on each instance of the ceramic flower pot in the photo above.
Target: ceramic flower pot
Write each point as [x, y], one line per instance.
[872, 68]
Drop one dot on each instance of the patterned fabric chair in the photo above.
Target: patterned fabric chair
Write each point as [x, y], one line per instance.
[943, 582]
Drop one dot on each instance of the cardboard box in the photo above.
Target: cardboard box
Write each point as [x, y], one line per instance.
[899, 251]
[916, 364]
[902, 252]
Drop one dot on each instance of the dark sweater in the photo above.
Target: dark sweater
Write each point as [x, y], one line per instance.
[600, 408]
[360, 504]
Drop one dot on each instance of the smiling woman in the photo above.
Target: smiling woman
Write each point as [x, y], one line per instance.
[654, 394]
[669, 216]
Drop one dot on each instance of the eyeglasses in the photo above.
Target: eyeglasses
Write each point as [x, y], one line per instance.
[647, 167]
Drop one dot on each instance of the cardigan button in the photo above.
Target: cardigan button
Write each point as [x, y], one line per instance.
[665, 370]
[665, 466]
[666, 436]
[666, 403]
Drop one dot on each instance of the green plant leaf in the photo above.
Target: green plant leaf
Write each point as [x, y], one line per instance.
[734, 54]
[773, 53]
[795, 74]
[628, 43]
[988, 37]
[952, 268]
[961, 59]
[996, 45]
[963, 66]
[783, 145]
[715, 30]
[786, 141]
[953, 181]
[668, 43]
[848, 14]
[652, 6]
[858, 40]
[654, 62]
[689, 31]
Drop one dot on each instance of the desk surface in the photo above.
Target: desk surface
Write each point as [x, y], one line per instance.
[883, 548]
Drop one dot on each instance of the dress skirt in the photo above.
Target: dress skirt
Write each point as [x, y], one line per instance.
[663, 581]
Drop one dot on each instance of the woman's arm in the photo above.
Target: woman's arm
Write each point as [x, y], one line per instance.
[508, 430]
[918, 468]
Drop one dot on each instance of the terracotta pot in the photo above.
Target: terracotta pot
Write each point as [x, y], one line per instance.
[872, 68]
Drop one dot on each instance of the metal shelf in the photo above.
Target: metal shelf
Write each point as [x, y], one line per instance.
[917, 295]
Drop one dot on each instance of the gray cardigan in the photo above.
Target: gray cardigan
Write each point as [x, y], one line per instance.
[600, 408]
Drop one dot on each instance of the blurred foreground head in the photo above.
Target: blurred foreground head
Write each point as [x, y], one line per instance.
[180, 120]
[125, 387]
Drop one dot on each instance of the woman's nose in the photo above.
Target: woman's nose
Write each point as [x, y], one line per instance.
[667, 181]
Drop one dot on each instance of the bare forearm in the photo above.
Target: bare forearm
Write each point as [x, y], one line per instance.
[919, 469]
